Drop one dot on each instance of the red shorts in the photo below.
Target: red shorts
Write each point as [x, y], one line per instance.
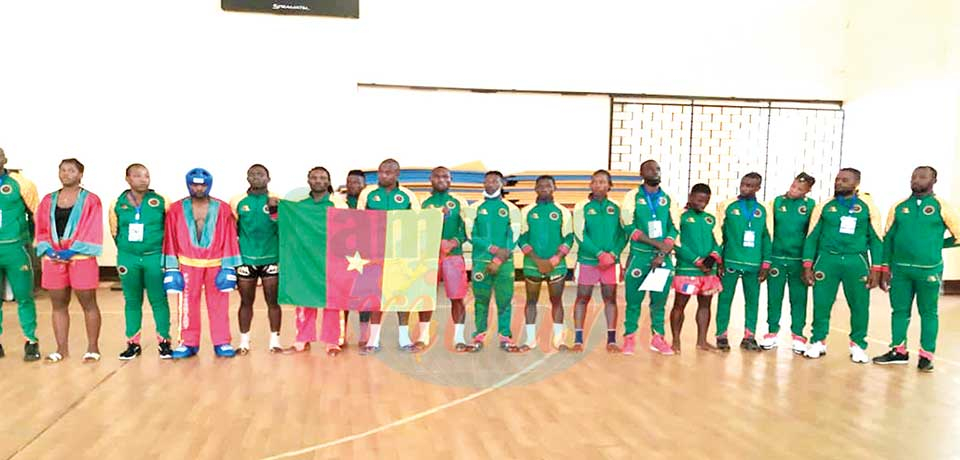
[590, 275]
[453, 273]
[80, 274]
[697, 285]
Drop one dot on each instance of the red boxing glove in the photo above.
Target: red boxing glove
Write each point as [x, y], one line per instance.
[606, 259]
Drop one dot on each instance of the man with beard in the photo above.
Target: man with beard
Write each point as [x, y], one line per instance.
[843, 230]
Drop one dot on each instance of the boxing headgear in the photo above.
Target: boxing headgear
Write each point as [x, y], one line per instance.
[199, 176]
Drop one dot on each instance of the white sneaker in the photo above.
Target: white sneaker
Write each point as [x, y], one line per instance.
[799, 345]
[816, 350]
[768, 342]
[857, 354]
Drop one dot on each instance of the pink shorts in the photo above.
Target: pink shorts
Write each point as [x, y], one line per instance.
[81, 274]
[453, 273]
[697, 285]
[590, 275]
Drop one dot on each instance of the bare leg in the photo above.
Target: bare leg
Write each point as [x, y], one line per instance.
[703, 322]
[91, 318]
[676, 319]
[270, 288]
[60, 298]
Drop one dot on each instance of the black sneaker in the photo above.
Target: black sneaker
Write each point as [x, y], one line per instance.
[750, 344]
[31, 351]
[892, 357]
[166, 352]
[925, 365]
[723, 344]
[133, 350]
[2, 353]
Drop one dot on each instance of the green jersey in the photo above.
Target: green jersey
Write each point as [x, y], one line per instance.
[492, 223]
[454, 217]
[18, 200]
[915, 232]
[789, 220]
[742, 233]
[138, 230]
[696, 242]
[654, 214]
[546, 230]
[378, 198]
[842, 226]
[597, 228]
[257, 229]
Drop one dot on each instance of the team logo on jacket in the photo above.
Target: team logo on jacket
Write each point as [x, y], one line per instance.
[832, 209]
[502, 212]
[662, 201]
[245, 208]
[757, 213]
[153, 202]
[398, 198]
[266, 209]
[783, 209]
[642, 201]
[819, 276]
[554, 215]
[478, 276]
[802, 210]
[611, 210]
[691, 219]
[376, 198]
[709, 220]
[121, 270]
[933, 279]
[928, 210]
[534, 216]
[856, 208]
[905, 210]
[774, 272]
[635, 273]
[124, 207]
[451, 204]
[735, 211]
[6, 189]
[482, 212]
[591, 212]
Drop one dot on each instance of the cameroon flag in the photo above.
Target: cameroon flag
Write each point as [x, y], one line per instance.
[358, 260]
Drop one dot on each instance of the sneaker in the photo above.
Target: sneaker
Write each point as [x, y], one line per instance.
[184, 351]
[478, 340]
[659, 345]
[165, 351]
[799, 344]
[224, 351]
[816, 350]
[750, 344]
[133, 350]
[629, 344]
[723, 343]
[768, 342]
[31, 351]
[892, 357]
[857, 354]
[369, 350]
[925, 364]
[507, 344]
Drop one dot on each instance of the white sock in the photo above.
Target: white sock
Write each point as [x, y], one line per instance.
[458, 333]
[425, 332]
[275, 340]
[405, 336]
[245, 340]
[374, 335]
[531, 335]
[557, 332]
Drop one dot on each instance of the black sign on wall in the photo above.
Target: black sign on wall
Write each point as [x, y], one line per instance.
[340, 8]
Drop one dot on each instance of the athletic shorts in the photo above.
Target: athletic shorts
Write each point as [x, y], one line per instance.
[79, 274]
[453, 273]
[697, 285]
[252, 272]
[549, 279]
[590, 275]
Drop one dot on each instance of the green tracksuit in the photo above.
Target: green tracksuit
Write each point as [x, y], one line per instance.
[745, 241]
[18, 200]
[657, 216]
[138, 233]
[378, 198]
[546, 230]
[789, 220]
[257, 229]
[454, 216]
[697, 242]
[912, 250]
[836, 248]
[597, 229]
[491, 224]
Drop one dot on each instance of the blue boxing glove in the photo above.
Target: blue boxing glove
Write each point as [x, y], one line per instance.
[50, 253]
[226, 280]
[173, 281]
[66, 254]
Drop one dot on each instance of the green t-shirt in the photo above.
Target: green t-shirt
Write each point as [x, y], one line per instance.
[257, 229]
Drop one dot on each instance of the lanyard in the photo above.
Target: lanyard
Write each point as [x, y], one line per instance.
[748, 214]
[847, 203]
[652, 199]
[136, 208]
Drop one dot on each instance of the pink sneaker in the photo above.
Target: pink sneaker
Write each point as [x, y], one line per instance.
[659, 345]
[629, 344]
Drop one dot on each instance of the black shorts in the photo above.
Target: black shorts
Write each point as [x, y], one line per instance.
[548, 279]
[252, 272]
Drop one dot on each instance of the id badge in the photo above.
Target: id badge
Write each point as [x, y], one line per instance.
[655, 229]
[749, 239]
[135, 233]
[848, 225]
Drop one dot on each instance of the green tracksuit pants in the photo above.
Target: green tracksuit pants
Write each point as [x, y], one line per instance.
[852, 270]
[139, 273]
[907, 283]
[786, 274]
[499, 286]
[637, 270]
[17, 267]
[751, 299]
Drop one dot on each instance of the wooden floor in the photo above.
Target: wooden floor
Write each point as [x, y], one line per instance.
[487, 405]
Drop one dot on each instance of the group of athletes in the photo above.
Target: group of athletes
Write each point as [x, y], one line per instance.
[202, 246]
